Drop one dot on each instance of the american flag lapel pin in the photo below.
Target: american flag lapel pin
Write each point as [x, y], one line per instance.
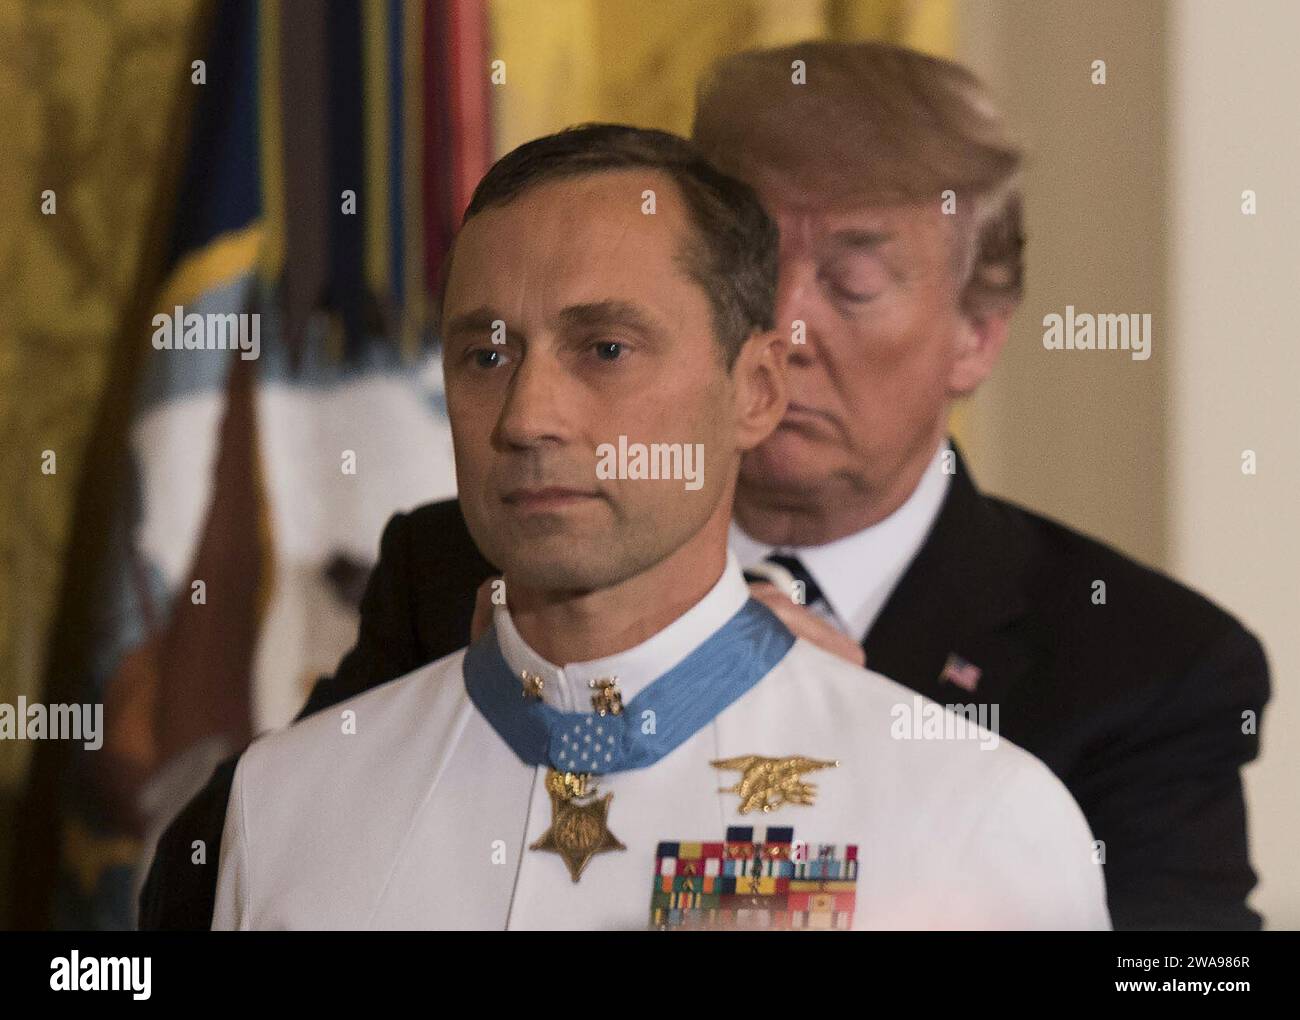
[958, 671]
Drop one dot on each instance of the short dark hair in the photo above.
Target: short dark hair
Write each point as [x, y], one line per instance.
[733, 255]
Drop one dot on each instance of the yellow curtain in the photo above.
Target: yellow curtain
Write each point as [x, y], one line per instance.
[568, 61]
[79, 84]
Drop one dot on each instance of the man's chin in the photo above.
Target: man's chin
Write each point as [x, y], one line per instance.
[786, 461]
[554, 569]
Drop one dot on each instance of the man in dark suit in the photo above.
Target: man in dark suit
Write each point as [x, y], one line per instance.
[1141, 695]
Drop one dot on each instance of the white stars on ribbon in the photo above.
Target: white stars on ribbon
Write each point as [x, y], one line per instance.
[596, 745]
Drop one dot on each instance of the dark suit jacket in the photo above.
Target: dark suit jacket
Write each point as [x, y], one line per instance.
[1136, 704]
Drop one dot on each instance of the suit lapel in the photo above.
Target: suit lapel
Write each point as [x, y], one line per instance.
[963, 595]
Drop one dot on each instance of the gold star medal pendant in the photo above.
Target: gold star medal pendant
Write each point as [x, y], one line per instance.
[579, 821]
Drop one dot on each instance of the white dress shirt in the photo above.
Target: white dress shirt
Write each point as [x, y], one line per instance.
[857, 573]
[403, 807]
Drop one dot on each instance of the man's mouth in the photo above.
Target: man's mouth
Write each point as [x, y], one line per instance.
[796, 412]
[548, 498]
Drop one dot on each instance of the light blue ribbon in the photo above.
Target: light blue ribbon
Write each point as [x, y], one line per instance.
[660, 718]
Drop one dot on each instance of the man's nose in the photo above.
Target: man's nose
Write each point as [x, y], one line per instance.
[534, 409]
[796, 311]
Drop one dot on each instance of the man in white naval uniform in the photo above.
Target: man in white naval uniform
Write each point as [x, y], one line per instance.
[609, 289]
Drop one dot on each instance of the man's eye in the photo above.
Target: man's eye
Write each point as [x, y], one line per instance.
[848, 294]
[855, 283]
[608, 350]
[486, 357]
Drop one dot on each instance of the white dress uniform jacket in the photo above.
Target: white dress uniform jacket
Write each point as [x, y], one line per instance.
[403, 807]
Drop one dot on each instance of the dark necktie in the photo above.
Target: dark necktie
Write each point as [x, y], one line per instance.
[791, 565]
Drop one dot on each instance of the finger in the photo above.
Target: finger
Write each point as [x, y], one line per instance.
[765, 591]
[802, 622]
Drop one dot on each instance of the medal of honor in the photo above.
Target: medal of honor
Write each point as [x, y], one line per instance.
[575, 747]
[579, 821]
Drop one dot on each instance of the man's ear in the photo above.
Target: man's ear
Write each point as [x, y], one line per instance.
[760, 386]
[980, 340]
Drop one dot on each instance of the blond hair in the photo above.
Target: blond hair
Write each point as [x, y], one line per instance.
[875, 124]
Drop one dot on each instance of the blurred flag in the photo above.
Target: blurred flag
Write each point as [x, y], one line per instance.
[963, 674]
[331, 151]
